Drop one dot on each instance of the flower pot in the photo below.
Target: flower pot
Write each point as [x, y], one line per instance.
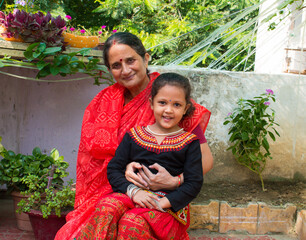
[46, 228]
[12, 39]
[23, 221]
[80, 41]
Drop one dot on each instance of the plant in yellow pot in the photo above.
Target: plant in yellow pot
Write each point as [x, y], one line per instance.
[77, 38]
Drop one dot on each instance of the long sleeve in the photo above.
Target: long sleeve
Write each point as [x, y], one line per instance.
[193, 178]
[117, 165]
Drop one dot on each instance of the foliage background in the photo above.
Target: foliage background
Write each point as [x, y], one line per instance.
[158, 21]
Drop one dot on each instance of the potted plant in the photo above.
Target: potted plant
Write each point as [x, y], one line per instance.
[14, 168]
[32, 27]
[49, 199]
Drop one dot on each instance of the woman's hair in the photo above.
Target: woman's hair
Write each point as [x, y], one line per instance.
[177, 80]
[123, 38]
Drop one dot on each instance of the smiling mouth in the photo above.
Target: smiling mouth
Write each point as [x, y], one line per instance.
[129, 77]
[167, 118]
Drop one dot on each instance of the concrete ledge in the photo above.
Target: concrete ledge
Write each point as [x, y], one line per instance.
[255, 218]
[205, 216]
[301, 224]
[275, 219]
[238, 218]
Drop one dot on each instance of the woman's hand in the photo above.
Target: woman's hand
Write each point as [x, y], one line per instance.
[134, 178]
[146, 200]
[161, 180]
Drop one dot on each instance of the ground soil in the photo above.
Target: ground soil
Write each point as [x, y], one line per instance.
[277, 193]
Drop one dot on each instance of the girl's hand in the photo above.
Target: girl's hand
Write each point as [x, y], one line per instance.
[134, 178]
[161, 180]
[145, 199]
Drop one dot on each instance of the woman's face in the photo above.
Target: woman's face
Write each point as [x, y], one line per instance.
[128, 68]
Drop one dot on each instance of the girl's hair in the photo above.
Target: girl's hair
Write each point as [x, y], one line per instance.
[123, 38]
[177, 80]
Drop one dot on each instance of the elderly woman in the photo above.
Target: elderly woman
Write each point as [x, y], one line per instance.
[99, 213]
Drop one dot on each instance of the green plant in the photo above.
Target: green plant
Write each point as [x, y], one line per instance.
[46, 193]
[250, 125]
[52, 61]
[15, 167]
[33, 27]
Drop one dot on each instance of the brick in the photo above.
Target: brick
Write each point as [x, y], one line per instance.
[275, 219]
[205, 216]
[238, 218]
[301, 224]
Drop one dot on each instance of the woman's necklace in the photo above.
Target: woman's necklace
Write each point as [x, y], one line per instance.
[164, 134]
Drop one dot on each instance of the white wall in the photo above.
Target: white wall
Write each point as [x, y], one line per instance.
[49, 115]
[281, 50]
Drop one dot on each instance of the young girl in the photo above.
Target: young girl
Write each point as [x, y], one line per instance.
[165, 143]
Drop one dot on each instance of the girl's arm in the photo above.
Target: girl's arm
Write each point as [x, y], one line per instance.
[193, 178]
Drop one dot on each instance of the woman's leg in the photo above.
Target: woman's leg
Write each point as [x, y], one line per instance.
[103, 222]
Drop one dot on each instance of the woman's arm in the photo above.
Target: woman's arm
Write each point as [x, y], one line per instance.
[207, 158]
[163, 179]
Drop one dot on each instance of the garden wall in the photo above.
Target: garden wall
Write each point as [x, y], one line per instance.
[49, 115]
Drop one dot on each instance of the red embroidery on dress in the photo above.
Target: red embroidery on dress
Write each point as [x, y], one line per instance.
[170, 143]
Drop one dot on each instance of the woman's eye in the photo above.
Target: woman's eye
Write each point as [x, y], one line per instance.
[116, 66]
[162, 102]
[177, 104]
[131, 60]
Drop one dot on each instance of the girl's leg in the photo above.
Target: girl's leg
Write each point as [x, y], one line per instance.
[103, 222]
[143, 223]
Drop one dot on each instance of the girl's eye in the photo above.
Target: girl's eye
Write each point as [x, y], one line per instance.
[162, 102]
[177, 104]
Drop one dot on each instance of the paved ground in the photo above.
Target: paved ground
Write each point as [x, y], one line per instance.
[9, 231]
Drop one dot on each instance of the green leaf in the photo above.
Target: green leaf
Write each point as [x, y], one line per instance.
[36, 151]
[226, 122]
[41, 64]
[265, 144]
[244, 136]
[52, 50]
[65, 69]
[15, 179]
[1, 64]
[272, 135]
[276, 132]
[54, 70]
[54, 154]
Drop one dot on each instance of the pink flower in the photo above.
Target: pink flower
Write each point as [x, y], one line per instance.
[229, 114]
[65, 28]
[100, 32]
[115, 30]
[269, 91]
[267, 103]
[103, 26]
[82, 31]
[72, 29]
[68, 17]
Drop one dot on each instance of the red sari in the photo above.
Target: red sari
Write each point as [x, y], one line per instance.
[105, 121]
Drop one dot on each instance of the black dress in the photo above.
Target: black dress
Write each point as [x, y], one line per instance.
[178, 154]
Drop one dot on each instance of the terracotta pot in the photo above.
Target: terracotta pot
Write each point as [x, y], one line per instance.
[46, 228]
[23, 221]
[12, 39]
[80, 41]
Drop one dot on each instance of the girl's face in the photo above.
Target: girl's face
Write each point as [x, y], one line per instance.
[169, 105]
[128, 68]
